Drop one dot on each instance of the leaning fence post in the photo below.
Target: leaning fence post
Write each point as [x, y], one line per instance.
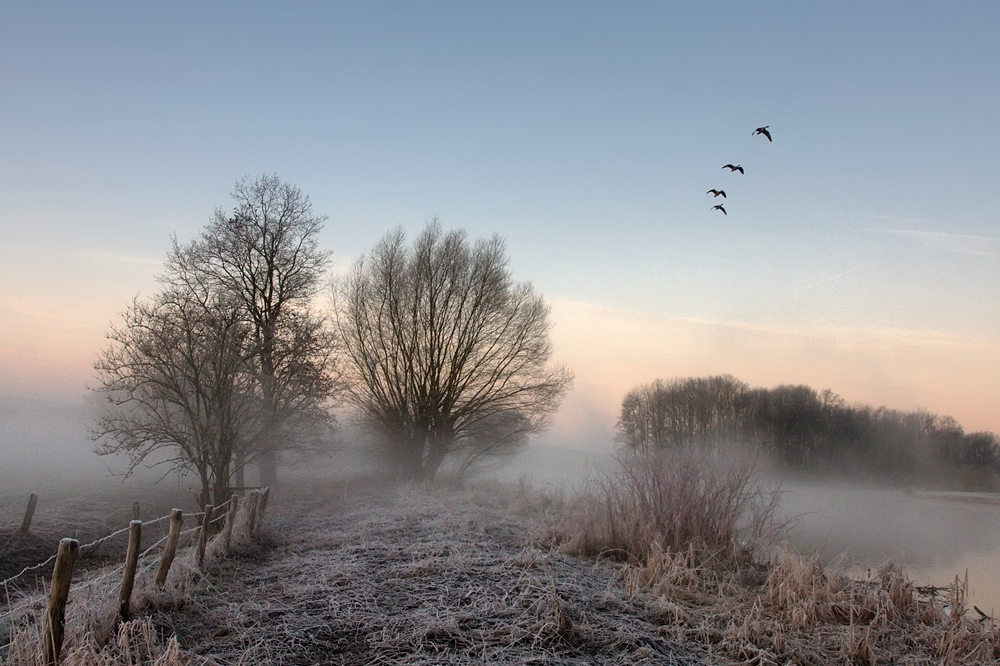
[55, 616]
[227, 532]
[29, 513]
[176, 521]
[206, 523]
[253, 499]
[131, 563]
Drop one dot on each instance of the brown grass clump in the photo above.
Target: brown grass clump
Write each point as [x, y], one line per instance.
[135, 643]
[671, 502]
[693, 541]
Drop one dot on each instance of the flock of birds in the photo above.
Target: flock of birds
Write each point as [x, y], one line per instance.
[763, 131]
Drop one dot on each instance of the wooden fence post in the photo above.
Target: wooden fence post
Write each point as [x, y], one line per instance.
[55, 616]
[264, 494]
[29, 513]
[253, 499]
[206, 523]
[131, 563]
[176, 522]
[227, 532]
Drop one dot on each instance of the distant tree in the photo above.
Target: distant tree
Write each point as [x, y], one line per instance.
[444, 353]
[175, 379]
[700, 411]
[982, 450]
[808, 430]
[642, 424]
[265, 255]
[791, 418]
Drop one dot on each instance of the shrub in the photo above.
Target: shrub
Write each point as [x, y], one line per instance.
[674, 502]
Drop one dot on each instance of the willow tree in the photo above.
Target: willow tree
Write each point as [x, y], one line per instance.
[444, 353]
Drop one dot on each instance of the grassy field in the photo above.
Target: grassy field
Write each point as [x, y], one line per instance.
[363, 572]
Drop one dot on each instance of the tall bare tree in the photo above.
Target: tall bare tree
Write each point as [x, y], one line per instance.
[265, 254]
[175, 379]
[444, 352]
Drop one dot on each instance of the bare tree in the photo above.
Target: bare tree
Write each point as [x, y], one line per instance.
[175, 379]
[696, 411]
[444, 352]
[265, 254]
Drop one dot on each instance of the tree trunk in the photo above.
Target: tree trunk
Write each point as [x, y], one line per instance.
[435, 457]
[267, 468]
[239, 476]
[221, 492]
[267, 465]
[206, 489]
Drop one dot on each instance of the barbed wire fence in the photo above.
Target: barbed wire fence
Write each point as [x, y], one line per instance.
[19, 604]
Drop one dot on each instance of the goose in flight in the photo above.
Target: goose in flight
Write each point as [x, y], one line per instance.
[762, 130]
[716, 193]
[734, 167]
[719, 207]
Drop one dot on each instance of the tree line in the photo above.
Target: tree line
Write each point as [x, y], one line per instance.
[807, 430]
[431, 346]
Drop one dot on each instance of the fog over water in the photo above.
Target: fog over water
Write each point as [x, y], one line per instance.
[936, 536]
[852, 527]
[45, 442]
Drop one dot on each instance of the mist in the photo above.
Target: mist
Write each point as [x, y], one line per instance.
[854, 527]
[43, 441]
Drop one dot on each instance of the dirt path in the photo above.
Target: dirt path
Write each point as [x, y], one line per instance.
[408, 577]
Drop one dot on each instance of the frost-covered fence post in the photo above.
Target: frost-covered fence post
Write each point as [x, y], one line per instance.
[55, 615]
[264, 494]
[227, 532]
[29, 513]
[176, 522]
[253, 499]
[206, 524]
[131, 564]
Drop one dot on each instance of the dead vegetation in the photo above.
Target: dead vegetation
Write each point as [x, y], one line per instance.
[415, 576]
[696, 542]
[94, 636]
[135, 642]
[366, 573]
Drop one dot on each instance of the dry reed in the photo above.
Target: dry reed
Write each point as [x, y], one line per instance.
[368, 574]
[693, 538]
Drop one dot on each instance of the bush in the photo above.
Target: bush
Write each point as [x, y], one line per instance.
[673, 502]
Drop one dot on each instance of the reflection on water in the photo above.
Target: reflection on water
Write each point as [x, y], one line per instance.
[936, 536]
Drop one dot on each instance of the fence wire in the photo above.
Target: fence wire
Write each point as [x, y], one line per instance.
[147, 567]
[111, 536]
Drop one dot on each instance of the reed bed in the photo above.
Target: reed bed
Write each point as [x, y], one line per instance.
[696, 539]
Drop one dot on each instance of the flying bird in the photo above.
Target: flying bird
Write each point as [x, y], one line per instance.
[716, 193]
[762, 130]
[719, 207]
[734, 167]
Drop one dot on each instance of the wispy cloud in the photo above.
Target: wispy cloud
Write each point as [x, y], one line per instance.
[116, 258]
[597, 319]
[833, 277]
[957, 243]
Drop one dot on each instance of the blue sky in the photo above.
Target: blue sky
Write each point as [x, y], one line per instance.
[860, 252]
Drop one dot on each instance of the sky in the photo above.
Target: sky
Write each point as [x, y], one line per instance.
[861, 250]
